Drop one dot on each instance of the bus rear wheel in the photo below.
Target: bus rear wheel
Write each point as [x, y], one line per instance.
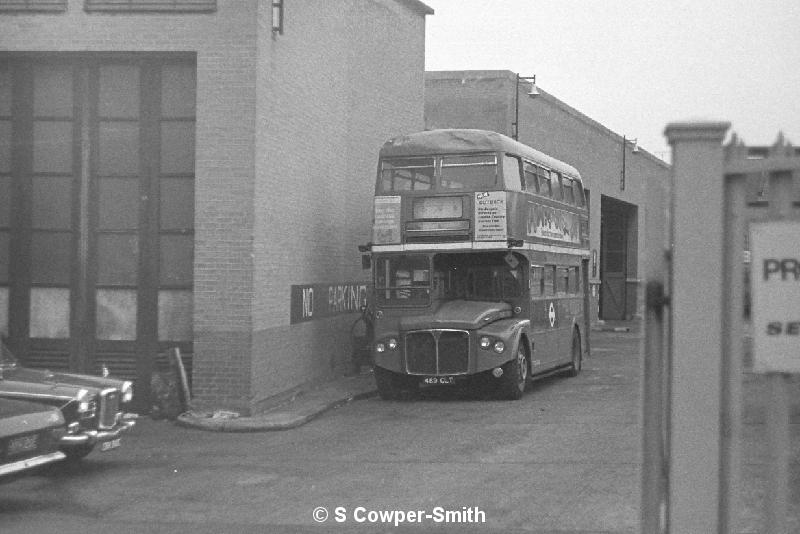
[392, 386]
[515, 377]
[577, 354]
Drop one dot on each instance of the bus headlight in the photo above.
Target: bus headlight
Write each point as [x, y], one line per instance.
[499, 346]
[485, 342]
[383, 346]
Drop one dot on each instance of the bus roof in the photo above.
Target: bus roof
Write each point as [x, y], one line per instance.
[462, 141]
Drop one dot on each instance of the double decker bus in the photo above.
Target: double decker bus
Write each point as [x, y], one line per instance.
[479, 258]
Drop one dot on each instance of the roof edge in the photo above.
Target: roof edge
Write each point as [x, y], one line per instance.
[419, 6]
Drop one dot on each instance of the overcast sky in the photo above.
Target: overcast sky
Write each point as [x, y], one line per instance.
[635, 66]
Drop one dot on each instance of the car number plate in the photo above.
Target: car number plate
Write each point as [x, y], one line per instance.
[23, 444]
[108, 445]
[439, 380]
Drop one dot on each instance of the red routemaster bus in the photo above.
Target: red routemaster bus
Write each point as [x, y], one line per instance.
[479, 260]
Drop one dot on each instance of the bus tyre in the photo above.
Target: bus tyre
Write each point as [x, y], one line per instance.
[577, 354]
[391, 386]
[514, 379]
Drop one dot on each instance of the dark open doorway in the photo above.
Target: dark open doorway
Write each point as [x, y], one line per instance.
[618, 242]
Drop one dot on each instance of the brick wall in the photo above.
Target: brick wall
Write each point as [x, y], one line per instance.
[325, 107]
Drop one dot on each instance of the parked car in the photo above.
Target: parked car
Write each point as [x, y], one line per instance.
[30, 435]
[92, 406]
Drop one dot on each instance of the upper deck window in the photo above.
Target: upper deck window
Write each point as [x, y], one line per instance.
[471, 173]
[512, 177]
[566, 186]
[544, 181]
[406, 174]
[555, 185]
[531, 182]
[579, 195]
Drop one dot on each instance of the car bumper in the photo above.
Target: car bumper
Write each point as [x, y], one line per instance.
[93, 437]
[30, 463]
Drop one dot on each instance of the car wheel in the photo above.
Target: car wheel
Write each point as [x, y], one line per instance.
[577, 355]
[75, 454]
[515, 375]
[392, 386]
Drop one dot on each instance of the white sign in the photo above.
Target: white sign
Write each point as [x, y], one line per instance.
[386, 220]
[490, 216]
[775, 278]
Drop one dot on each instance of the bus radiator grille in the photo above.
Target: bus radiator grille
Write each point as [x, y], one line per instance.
[437, 352]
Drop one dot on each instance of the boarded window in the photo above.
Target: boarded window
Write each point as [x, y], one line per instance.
[550, 279]
[33, 5]
[49, 313]
[151, 5]
[537, 280]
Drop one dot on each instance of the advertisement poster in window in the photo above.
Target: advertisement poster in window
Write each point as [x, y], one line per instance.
[386, 227]
[490, 216]
[553, 223]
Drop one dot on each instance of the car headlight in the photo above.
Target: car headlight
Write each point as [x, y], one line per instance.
[127, 391]
[86, 404]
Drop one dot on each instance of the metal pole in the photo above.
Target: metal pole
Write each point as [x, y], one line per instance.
[777, 494]
[516, 109]
[734, 228]
[622, 178]
[654, 459]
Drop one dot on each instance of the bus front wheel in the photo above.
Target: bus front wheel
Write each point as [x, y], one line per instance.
[514, 379]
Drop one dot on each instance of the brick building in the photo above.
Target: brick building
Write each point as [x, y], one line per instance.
[627, 188]
[173, 172]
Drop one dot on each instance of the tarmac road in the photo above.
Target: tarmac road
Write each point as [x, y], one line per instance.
[566, 459]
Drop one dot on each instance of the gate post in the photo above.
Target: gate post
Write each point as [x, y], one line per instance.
[696, 321]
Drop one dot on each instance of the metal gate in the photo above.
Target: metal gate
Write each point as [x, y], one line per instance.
[697, 333]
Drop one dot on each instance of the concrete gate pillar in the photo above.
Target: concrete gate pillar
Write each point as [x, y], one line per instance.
[696, 320]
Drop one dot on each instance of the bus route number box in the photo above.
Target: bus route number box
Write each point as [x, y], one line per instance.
[776, 294]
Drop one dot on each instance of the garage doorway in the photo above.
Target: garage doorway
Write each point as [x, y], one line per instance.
[98, 233]
[618, 242]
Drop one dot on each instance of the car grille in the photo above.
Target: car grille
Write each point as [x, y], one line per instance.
[437, 352]
[109, 407]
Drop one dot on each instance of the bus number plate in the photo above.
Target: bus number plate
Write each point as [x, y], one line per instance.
[439, 380]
